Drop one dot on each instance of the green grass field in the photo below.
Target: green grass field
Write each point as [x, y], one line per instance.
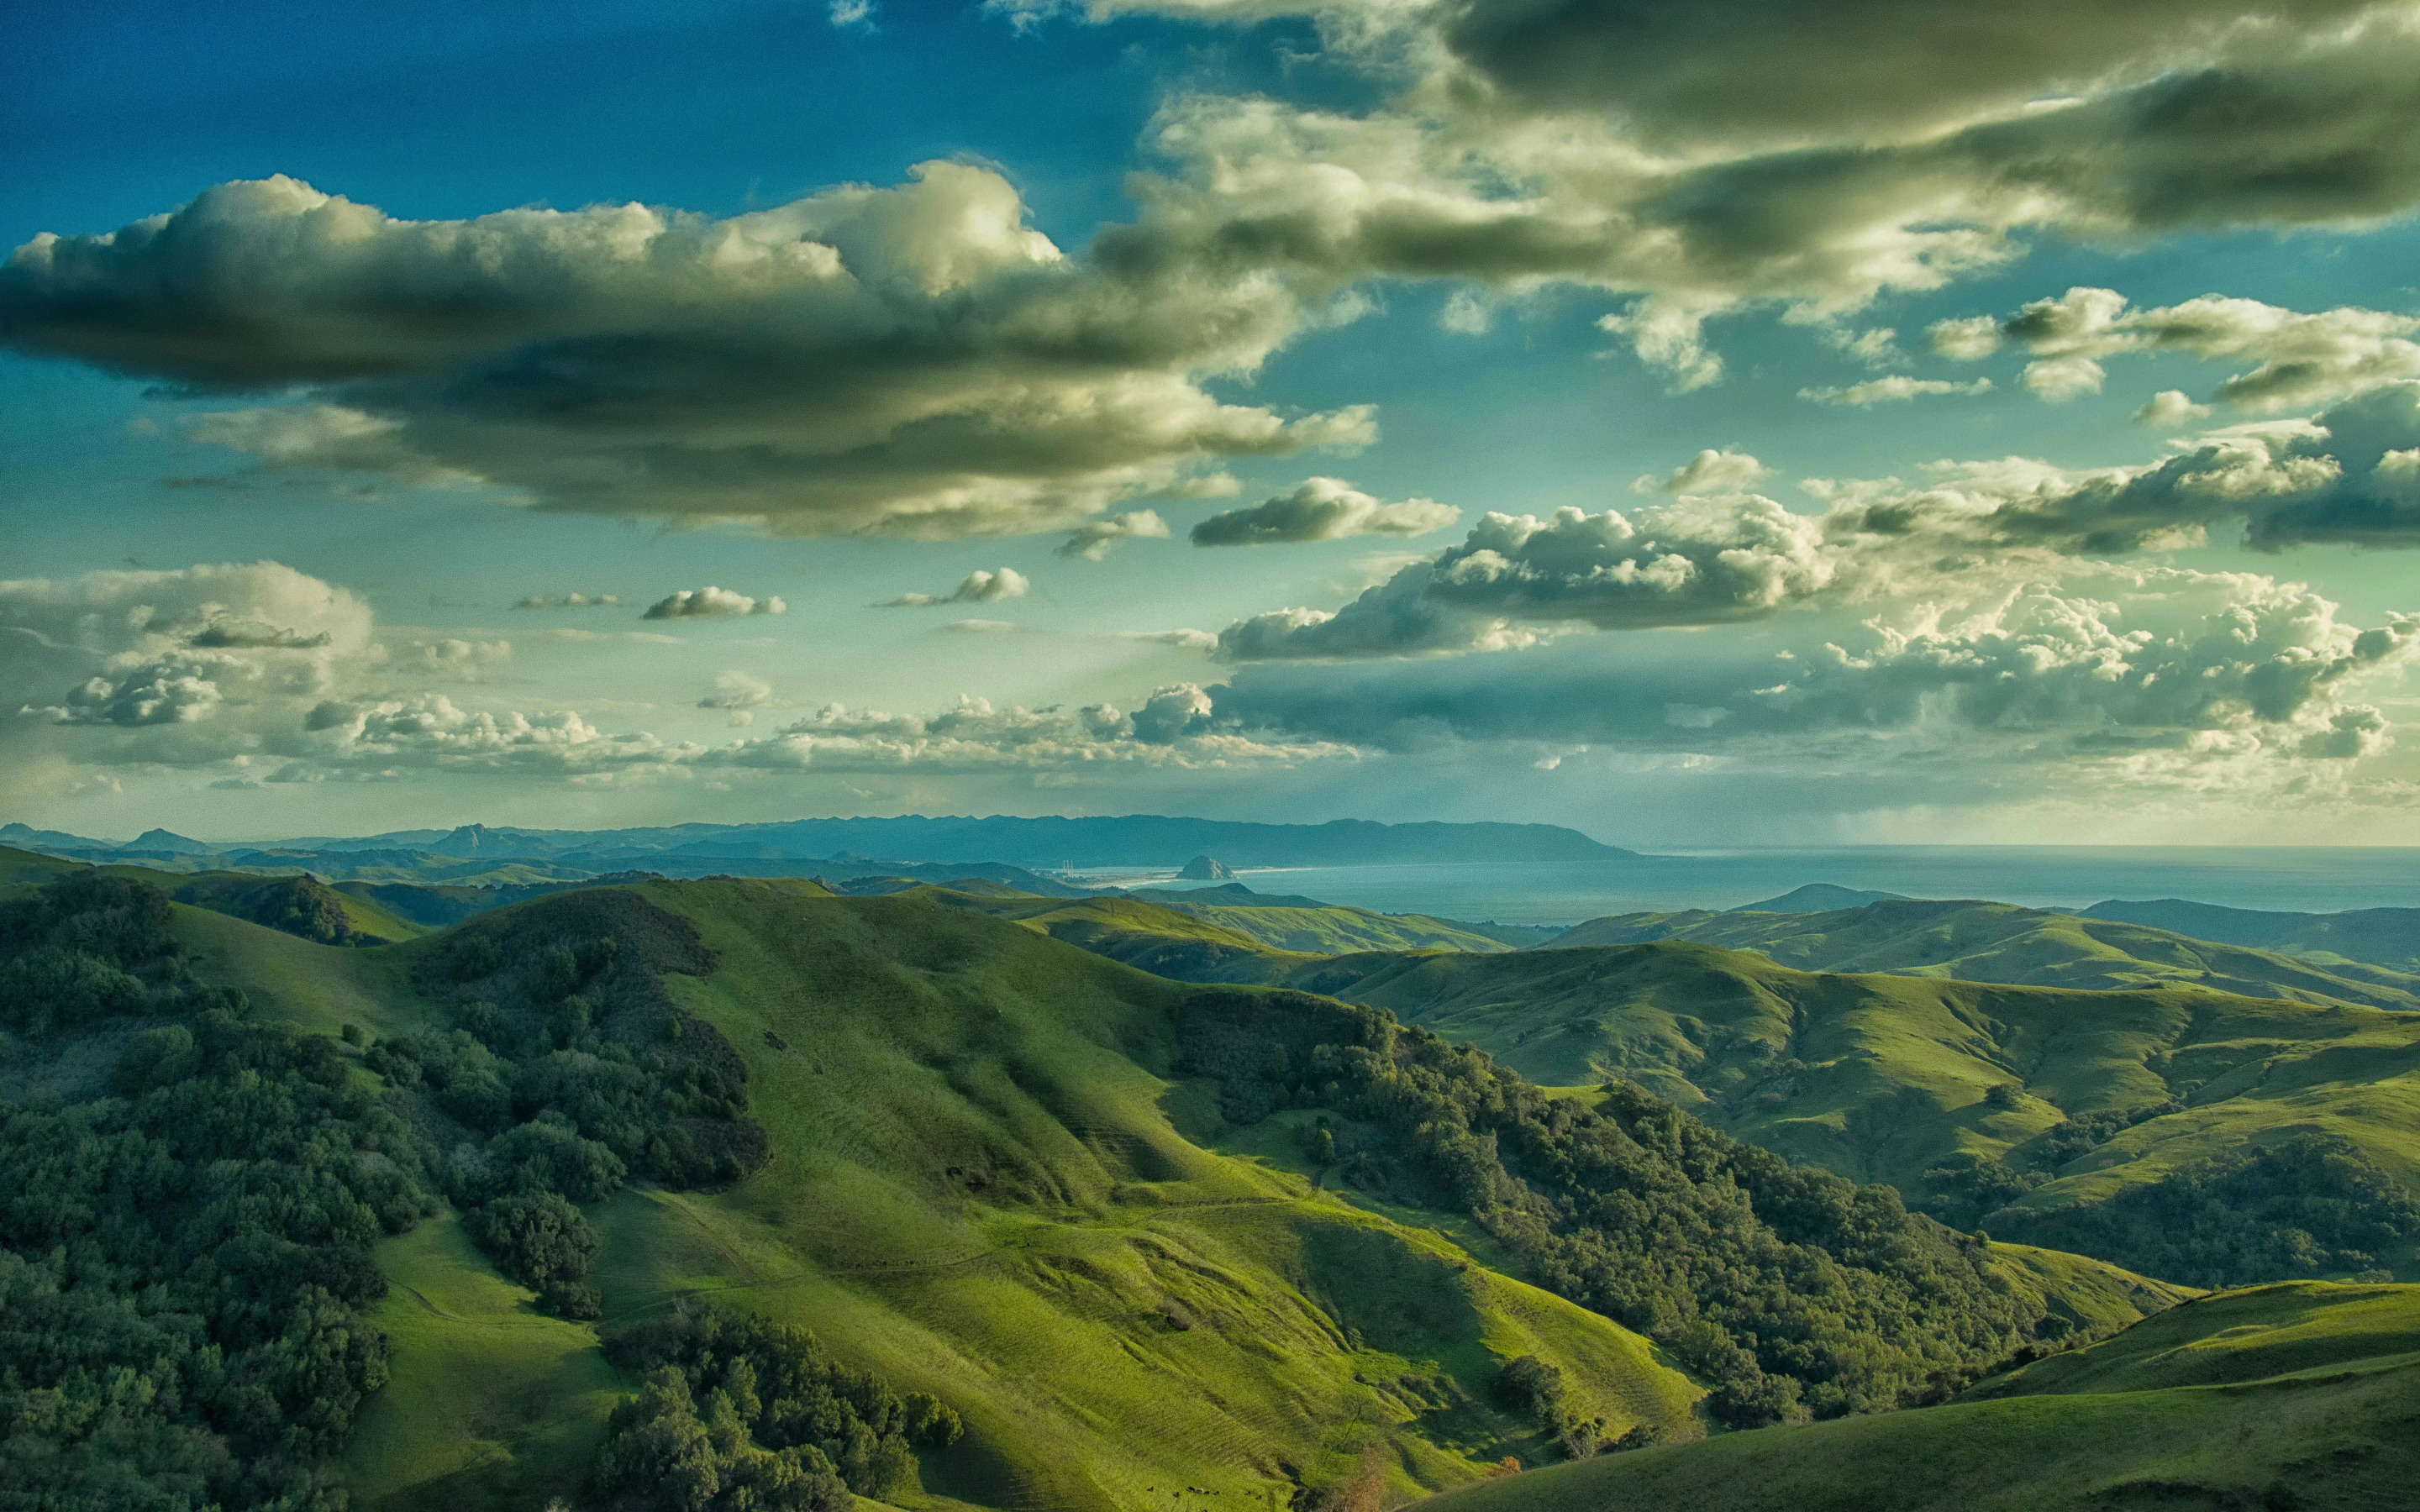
[2303, 1395]
[983, 1187]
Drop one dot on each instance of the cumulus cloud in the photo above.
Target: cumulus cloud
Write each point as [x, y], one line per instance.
[2347, 476]
[981, 586]
[2170, 409]
[912, 361]
[2301, 359]
[1894, 389]
[459, 658]
[569, 601]
[1322, 509]
[1709, 472]
[189, 665]
[100, 674]
[1694, 562]
[2152, 674]
[738, 693]
[710, 603]
[982, 626]
[2289, 482]
[1094, 539]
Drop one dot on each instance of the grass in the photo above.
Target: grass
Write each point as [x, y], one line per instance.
[2003, 943]
[1880, 1077]
[2303, 1395]
[987, 1185]
[489, 1405]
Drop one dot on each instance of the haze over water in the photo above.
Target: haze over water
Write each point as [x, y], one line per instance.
[2299, 879]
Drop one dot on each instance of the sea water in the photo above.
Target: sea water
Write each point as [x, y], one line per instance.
[2298, 880]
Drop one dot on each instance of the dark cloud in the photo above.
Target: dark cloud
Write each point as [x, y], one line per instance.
[911, 361]
[1322, 509]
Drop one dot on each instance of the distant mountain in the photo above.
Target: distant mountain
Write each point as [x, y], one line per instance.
[2381, 936]
[1816, 897]
[1132, 840]
[169, 841]
[47, 839]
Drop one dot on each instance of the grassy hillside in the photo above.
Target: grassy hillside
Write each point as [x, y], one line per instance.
[2002, 942]
[2387, 938]
[1308, 926]
[2297, 1396]
[1887, 1078]
[981, 1187]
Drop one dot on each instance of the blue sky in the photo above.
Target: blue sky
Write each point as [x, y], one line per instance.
[273, 493]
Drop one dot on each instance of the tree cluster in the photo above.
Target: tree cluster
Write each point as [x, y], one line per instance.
[567, 1070]
[183, 1262]
[742, 1416]
[1790, 1290]
[2308, 1205]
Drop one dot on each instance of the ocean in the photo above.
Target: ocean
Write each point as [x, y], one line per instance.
[2298, 880]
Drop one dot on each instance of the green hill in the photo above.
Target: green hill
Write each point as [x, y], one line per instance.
[1145, 1241]
[2387, 938]
[2001, 1105]
[2002, 942]
[2304, 1395]
[978, 1187]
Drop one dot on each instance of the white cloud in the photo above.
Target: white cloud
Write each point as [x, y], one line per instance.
[1709, 472]
[710, 603]
[982, 626]
[981, 586]
[2109, 678]
[2302, 358]
[459, 658]
[2170, 409]
[569, 601]
[2058, 379]
[1181, 639]
[1322, 509]
[1094, 539]
[1694, 562]
[738, 690]
[1894, 389]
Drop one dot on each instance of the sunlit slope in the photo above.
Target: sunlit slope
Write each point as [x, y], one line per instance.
[1880, 1076]
[977, 1181]
[2299, 1397]
[2002, 942]
[981, 1187]
[1145, 935]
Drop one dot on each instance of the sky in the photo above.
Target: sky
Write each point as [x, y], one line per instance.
[1734, 424]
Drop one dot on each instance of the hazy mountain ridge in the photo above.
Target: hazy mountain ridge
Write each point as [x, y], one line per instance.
[1133, 840]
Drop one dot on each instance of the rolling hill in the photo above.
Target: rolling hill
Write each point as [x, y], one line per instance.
[2002, 942]
[1059, 1194]
[2017, 1107]
[2303, 1395]
[2387, 938]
